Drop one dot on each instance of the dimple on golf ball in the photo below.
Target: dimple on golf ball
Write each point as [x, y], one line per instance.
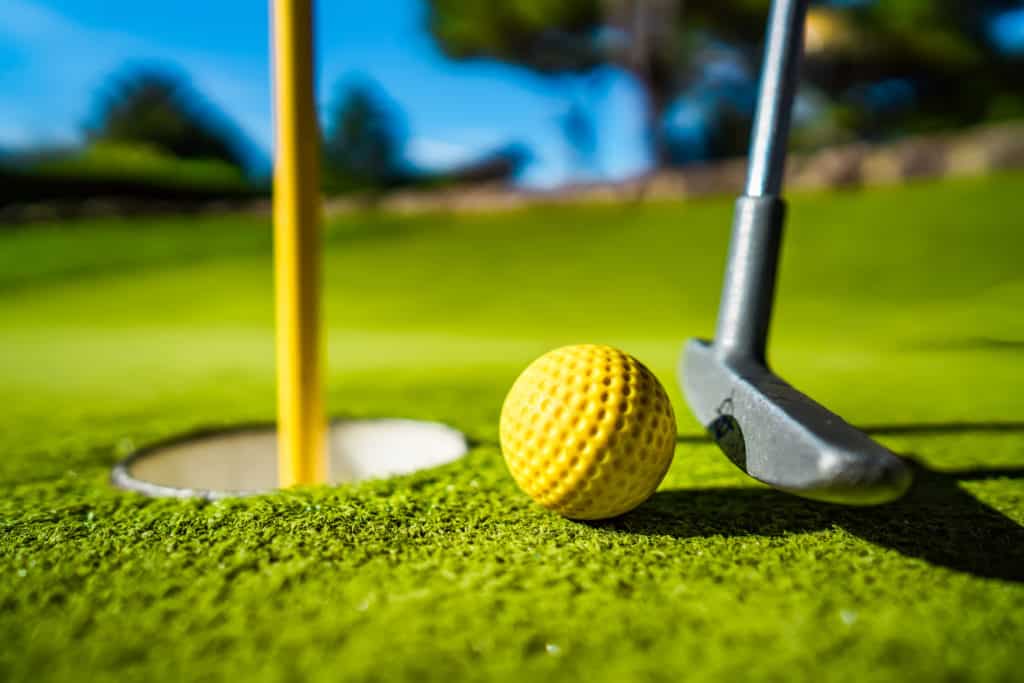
[588, 431]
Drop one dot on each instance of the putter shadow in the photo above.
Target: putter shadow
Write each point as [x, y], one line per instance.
[936, 520]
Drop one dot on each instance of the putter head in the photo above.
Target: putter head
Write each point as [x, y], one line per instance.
[781, 437]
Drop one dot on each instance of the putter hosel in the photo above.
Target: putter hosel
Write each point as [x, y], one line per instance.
[746, 307]
[749, 289]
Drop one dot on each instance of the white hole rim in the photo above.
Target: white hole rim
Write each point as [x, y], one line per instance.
[443, 444]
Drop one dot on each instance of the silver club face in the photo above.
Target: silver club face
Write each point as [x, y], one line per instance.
[781, 437]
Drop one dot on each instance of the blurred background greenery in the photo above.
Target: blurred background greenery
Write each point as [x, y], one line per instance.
[875, 71]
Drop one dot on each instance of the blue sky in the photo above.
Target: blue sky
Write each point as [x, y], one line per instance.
[56, 54]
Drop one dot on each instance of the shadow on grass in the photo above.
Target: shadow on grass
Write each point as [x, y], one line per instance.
[937, 520]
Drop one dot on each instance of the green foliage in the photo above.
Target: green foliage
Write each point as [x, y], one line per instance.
[941, 47]
[551, 36]
[119, 170]
[158, 108]
[364, 140]
[120, 161]
[898, 307]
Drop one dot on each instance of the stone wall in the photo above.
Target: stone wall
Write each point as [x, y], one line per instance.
[965, 153]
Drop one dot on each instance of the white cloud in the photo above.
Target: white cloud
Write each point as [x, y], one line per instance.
[438, 154]
[443, 150]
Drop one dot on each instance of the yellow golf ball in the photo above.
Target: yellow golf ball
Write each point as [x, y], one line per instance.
[588, 431]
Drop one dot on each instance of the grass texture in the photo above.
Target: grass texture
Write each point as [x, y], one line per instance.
[899, 308]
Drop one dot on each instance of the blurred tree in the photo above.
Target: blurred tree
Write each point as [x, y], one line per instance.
[562, 37]
[934, 56]
[499, 165]
[941, 49]
[578, 124]
[364, 140]
[158, 108]
[580, 132]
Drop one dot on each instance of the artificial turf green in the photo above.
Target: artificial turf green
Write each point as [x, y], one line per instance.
[900, 308]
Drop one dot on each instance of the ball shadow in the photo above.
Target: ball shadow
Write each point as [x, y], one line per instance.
[937, 520]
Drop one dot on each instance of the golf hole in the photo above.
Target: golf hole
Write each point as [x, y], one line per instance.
[243, 462]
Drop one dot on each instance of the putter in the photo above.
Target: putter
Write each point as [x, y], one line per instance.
[770, 430]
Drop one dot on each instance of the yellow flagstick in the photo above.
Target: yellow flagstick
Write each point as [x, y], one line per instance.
[300, 420]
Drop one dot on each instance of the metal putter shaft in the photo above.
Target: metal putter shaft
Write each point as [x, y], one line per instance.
[769, 429]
